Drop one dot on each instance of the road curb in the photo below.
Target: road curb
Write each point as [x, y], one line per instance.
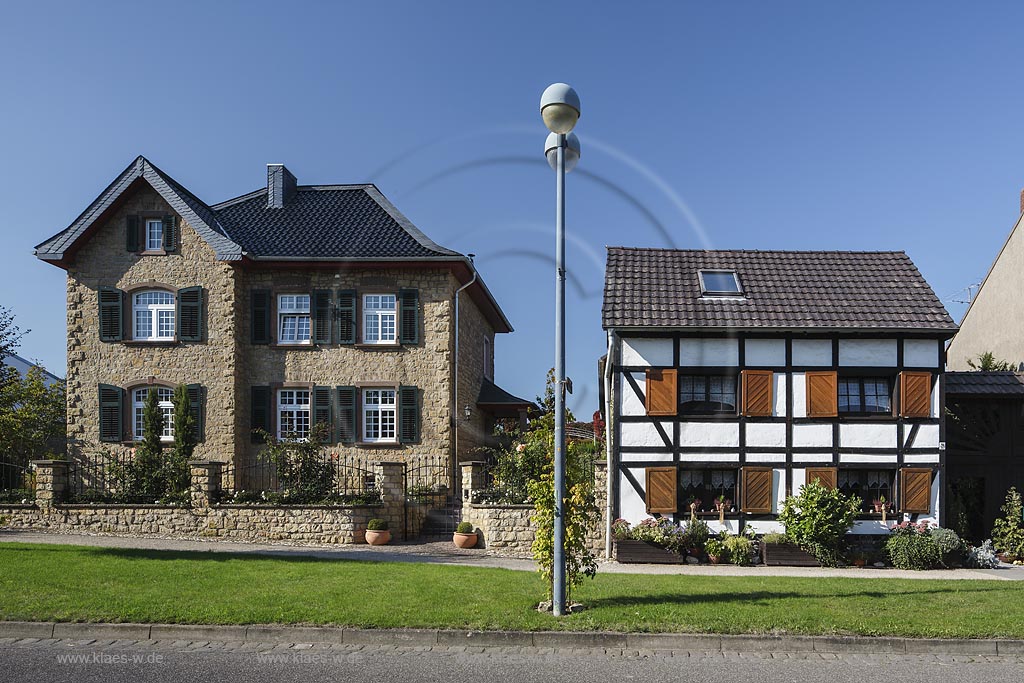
[703, 642]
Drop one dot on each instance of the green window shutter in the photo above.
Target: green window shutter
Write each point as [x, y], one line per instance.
[410, 301]
[195, 401]
[260, 316]
[322, 412]
[347, 316]
[170, 233]
[111, 315]
[347, 414]
[321, 309]
[408, 415]
[190, 314]
[260, 412]
[111, 401]
[132, 233]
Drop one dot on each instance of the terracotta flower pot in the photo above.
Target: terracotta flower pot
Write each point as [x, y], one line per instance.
[714, 559]
[859, 563]
[464, 540]
[378, 537]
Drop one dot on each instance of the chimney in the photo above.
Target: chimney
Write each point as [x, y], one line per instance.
[280, 186]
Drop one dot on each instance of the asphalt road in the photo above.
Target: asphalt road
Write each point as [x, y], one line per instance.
[56, 661]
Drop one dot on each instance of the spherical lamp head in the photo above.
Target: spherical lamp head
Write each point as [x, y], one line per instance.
[560, 107]
[572, 151]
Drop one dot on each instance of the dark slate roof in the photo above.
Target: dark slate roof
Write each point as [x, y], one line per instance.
[978, 383]
[23, 366]
[348, 222]
[181, 200]
[491, 394]
[659, 288]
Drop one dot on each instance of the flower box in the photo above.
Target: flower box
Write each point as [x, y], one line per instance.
[787, 555]
[642, 552]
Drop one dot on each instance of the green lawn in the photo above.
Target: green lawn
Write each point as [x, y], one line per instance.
[71, 583]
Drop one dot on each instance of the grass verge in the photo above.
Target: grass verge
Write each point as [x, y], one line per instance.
[73, 583]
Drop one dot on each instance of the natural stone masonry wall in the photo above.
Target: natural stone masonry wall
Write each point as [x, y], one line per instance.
[313, 524]
[508, 527]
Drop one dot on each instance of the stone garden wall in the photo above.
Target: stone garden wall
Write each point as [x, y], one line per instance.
[508, 528]
[205, 518]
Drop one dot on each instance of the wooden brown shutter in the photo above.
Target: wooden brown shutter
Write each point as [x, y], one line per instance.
[916, 490]
[822, 394]
[826, 476]
[661, 489]
[757, 392]
[661, 398]
[915, 394]
[756, 490]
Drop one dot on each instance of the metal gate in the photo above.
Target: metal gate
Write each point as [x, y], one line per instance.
[433, 500]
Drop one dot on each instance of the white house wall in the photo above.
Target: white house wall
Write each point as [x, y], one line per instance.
[788, 441]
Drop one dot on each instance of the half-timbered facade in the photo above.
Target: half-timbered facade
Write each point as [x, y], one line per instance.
[737, 376]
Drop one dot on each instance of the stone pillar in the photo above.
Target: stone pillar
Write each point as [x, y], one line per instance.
[51, 482]
[474, 479]
[205, 482]
[391, 484]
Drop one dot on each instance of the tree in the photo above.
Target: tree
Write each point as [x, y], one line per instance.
[32, 418]
[145, 474]
[177, 468]
[580, 513]
[547, 404]
[10, 334]
[987, 362]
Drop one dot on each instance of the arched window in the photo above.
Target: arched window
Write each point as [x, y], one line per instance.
[153, 313]
[163, 397]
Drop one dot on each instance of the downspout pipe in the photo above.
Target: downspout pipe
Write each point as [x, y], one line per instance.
[455, 391]
[609, 471]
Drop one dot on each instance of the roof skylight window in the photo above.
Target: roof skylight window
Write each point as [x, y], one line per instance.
[720, 283]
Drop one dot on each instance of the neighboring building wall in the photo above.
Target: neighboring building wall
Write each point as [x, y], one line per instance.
[995, 320]
[788, 441]
[473, 330]
[104, 261]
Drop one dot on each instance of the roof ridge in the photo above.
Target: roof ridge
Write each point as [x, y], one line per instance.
[759, 251]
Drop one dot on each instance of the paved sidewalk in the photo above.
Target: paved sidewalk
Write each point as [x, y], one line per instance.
[446, 553]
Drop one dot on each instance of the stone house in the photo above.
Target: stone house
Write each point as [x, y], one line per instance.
[745, 374]
[283, 309]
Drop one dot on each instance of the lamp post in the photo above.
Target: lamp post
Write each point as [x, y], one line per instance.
[560, 109]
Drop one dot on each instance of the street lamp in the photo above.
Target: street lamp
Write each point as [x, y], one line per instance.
[560, 109]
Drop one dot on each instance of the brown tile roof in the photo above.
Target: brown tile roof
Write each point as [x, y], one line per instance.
[660, 288]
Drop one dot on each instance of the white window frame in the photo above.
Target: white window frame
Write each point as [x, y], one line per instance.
[154, 239]
[380, 416]
[158, 313]
[380, 322]
[291, 310]
[299, 413]
[164, 395]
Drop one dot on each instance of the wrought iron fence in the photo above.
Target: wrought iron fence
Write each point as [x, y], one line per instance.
[17, 483]
[105, 478]
[324, 479]
[428, 479]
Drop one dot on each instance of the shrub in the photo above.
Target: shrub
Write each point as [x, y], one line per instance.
[950, 546]
[697, 533]
[1008, 531]
[774, 539]
[464, 528]
[911, 546]
[663, 532]
[817, 520]
[739, 549]
[620, 529]
[377, 524]
[982, 557]
[715, 548]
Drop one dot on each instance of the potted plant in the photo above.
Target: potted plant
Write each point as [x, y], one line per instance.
[880, 506]
[715, 550]
[649, 542]
[377, 532]
[697, 534]
[465, 536]
[859, 560]
[721, 505]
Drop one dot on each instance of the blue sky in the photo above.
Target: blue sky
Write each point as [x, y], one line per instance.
[763, 125]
